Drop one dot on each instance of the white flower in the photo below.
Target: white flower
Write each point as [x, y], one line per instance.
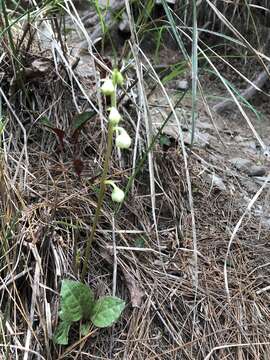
[117, 195]
[108, 88]
[123, 140]
[114, 116]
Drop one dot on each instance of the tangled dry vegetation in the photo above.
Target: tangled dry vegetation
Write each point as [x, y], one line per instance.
[165, 250]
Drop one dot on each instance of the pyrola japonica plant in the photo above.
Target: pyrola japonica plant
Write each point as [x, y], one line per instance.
[77, 299]
[122, 141]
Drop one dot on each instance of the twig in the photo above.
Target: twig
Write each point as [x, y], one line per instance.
[233, 346]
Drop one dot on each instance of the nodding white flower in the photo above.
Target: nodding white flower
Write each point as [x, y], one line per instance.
[123, 140]
[117, 194]
[114, 116]
[117, 77]
[108, 87]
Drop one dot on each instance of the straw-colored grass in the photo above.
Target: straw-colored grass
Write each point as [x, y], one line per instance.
[194, 277]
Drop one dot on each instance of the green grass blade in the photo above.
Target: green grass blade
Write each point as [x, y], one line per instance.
[194, 66]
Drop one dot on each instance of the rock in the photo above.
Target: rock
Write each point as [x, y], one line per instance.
[216, 181]
[238, 138]
[257, 170]
[201, 139]
[182, 84]
[41, 65]
[266, 153]
[260, 180]
[203, 123]
[247, 166]
[241, 164]
[250, 186]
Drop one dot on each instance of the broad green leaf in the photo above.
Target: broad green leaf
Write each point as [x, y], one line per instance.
[61, 333]
[164, 140]
[77, 301]
[85, 327]
[82, 118]
[106, 311]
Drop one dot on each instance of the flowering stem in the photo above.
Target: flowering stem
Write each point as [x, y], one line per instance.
[101, 191]
[113, 98]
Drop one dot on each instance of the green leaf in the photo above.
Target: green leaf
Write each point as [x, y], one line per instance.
[82, 118]
[85, 327]
[106, 311]
[140, 242]
[61, 333]
[164, 140]
[46, 122]
[77, 301]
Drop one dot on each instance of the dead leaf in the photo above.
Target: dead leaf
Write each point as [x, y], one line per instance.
[135, 291]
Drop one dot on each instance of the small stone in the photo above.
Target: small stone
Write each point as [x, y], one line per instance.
[201, 139]
[241, 164]
[238, 138]
[266, 153]
[182, 84]
[260, 180]
[257, 170]
[216, 181]
[41, 65]
[251, 186]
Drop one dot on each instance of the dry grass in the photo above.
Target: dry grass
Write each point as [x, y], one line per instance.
[178, 307]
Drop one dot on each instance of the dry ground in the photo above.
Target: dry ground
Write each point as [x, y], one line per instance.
[194, 290]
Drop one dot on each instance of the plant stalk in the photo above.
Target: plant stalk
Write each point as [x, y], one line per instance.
[101, 192]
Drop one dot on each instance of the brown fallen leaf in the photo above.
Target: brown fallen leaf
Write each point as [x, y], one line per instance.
[136, 292]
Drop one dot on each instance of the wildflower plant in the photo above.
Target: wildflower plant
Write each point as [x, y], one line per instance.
[122, 141]
[78, 304]
[77, 299]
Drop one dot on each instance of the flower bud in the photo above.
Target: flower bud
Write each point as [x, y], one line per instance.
[117, 77]
[114, 116]
[123, 140]
[117, 195]
[108, 87]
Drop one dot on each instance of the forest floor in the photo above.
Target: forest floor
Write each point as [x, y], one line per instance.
[192, 258]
